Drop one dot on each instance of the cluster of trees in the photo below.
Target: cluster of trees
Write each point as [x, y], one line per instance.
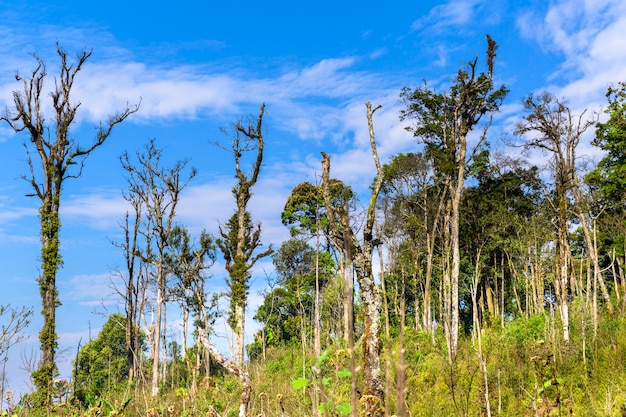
[466, 239]
[513, 241]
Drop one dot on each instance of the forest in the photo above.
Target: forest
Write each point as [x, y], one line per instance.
[465, 282]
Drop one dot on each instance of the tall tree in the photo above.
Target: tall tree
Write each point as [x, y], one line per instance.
[131, 279]
[495, 212]
[188, 261]
[305, 214]
[552, 127]
[60, 157]
[159, 190]
[358, 259]
[417, 200]
[286, 311]
[610, 173]
[609, 176]
[443, 121]
[101, 363]
[240, 238]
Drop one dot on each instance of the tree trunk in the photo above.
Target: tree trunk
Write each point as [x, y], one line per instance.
[51, 262]
[241, 238]
[359, 256]
[389, 343]
[427, 317]
[240, 317]
[349, 326]
[370, 297]
[479, 349]
[456, 192]
[185, 328]
[401, 372]
[317, 337]
[233, 369]
[157, 338]
[590, 243]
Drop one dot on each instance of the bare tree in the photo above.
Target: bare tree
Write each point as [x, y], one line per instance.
[240, 237]
[159, 190]
[60, 157]
[358, 255]
[552, 127]
[131, 279]
[12, 322]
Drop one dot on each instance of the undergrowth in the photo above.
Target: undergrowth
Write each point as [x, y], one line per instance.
[531, 371]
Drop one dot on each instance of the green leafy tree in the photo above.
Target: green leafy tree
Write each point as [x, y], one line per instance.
[304, 212]
[60, 157]
[413, 201]
[608, 179]
[287, 308]
[188, 262]
[610, 173]
[442, 122]
[495, 213]
[102, 362]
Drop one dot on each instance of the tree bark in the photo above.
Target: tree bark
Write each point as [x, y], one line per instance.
[233, 369]
[241, 238]
[558, 132]
[56, 154]
[360, 257]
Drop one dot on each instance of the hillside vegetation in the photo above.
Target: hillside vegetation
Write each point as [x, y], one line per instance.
[464, 282]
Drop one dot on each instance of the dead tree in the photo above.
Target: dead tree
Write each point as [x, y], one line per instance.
[240, 237]
[59, 157]
[158, 189]
[358, 256]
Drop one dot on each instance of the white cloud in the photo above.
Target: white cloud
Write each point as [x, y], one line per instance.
[10, 214]
[452, 13]
[179, 92]
[203, 205]
[589, 36]
[89, 290]
[100, 209]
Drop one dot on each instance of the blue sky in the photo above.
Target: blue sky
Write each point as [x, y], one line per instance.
[200, 66]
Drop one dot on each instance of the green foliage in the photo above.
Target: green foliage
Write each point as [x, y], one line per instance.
[102, 362]
[239, 257]
[494, 217]
[330, 380]
[440, 119]
[237, 263]
[304, 210]
[188, 261]
[529, 372]
[610, 173]
[51, 262]
[299, 383]
[284, 306]
[608, 179]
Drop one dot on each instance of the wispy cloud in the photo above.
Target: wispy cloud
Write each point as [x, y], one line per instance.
[589, 36]
[450, 14]
[89, 290]
[100, 209]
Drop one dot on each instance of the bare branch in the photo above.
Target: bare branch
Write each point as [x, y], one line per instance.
[10, 331]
